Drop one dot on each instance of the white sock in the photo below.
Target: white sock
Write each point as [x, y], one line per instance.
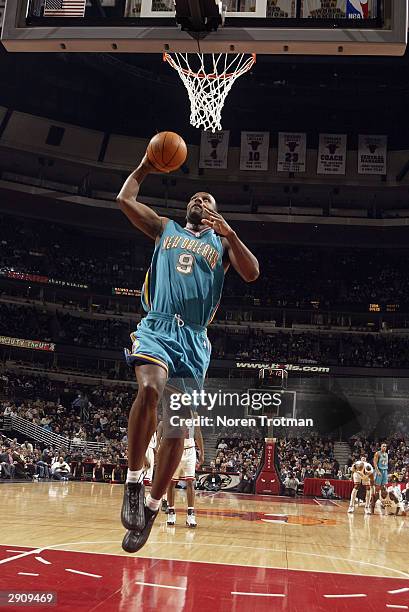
[153, 504]
[368, 499]
[353, 497]
[134, 475]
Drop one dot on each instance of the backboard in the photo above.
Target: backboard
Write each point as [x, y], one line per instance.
[325, 27]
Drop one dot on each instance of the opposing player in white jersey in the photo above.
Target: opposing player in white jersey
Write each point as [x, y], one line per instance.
[389, 503]
[362, 473]
[150, 460]
[186, 471]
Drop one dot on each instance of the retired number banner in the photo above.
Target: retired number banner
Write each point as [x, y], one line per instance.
[282, 9]
[332, 153]
[292, 150]
[254, 150]
[372, 154]
[214, 148]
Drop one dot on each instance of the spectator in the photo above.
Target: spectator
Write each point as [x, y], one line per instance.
[7, 464]
[60, 469]
[291, 485]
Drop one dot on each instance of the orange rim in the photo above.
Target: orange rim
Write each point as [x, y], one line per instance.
[202, 75]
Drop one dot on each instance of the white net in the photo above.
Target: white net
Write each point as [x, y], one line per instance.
[208, 79]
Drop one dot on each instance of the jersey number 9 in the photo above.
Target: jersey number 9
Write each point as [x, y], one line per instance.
[185, 263]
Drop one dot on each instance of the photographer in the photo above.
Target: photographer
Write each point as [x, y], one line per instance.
[327, 490]
[212, 482]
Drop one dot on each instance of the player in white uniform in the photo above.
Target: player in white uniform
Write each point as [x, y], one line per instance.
[362, 473]
[389, 502]
[186, 471]
[150, 460]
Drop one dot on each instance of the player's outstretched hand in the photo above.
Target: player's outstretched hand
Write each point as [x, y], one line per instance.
[216, 222]
[146, 165]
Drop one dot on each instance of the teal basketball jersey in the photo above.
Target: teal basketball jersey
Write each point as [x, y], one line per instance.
[186, 274]
[383, 460]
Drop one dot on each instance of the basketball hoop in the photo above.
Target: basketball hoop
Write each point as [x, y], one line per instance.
[209, 84]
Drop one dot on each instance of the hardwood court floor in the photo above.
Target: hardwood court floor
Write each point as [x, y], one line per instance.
[321, 557]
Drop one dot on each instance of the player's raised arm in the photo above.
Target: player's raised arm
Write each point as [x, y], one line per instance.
[240, 257]
[140, 215]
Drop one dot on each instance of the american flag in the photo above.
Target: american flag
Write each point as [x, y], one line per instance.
[64, 8]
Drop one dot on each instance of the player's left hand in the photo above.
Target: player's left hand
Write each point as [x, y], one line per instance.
[216, 222]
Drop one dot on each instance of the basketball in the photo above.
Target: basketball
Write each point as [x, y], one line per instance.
[167, 151]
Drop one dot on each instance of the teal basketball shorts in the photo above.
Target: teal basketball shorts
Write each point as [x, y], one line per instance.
[181, 348]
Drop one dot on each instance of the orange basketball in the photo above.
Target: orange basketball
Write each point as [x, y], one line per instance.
[167, 151]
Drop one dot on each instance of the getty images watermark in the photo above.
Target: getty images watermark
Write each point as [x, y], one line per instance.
[262, 408]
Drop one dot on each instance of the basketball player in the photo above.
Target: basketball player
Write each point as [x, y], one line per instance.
[159, 433]
[362, 473]
[150, 459]
[389, 502]
[181, 293]
[381, 462]
[186, 471]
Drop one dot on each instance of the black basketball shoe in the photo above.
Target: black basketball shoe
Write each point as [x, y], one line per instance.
[132, 513]
[135, 540]
[164, 507]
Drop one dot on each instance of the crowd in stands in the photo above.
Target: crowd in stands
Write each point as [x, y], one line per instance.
[59, 327]
[79, 413]
[35, 247]
[366, 350]
[240, 454]
[296, 276]
[301, 458]
[308, 458]
[28, 461]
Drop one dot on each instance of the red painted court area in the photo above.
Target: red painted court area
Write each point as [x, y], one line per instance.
[88, 581]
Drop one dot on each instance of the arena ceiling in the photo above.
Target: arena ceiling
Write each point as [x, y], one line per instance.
[139, 94]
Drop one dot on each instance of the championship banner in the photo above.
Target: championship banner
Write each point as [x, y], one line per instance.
[332, 153]
[37, 345]
[292, 152]
[372, 154]
[214, 148]
[317, 9]
[282, 9]
[254, 150]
